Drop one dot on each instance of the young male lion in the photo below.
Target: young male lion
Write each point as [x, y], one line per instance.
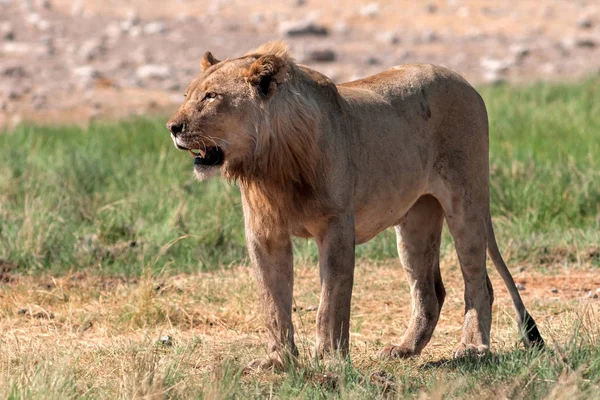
[406, 148]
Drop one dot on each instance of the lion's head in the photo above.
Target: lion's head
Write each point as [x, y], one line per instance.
[246, 115]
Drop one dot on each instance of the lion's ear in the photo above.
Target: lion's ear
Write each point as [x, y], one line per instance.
[266, 73]
[208, 60]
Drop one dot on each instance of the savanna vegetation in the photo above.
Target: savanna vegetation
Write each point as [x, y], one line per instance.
[107, 244]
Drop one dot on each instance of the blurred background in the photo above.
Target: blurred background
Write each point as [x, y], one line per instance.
[79, 60]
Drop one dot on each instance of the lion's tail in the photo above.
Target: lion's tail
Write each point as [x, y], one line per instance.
[529, 331]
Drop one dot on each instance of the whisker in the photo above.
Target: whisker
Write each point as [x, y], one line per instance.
[212, 140]
[221, 140]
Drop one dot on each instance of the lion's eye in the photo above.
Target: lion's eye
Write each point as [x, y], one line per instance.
[210, 95]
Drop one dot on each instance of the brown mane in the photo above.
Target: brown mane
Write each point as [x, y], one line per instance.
[281, 178]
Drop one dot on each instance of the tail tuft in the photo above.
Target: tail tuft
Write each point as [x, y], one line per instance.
[531, 335]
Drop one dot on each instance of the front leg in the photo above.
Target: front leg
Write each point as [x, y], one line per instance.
[272, 260]
[336, 266]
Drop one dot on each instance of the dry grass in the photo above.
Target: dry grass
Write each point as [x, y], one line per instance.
[84, 335]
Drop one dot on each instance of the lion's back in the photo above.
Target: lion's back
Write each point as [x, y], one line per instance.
[401, 82]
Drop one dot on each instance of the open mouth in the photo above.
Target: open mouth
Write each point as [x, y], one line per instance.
[210, 156]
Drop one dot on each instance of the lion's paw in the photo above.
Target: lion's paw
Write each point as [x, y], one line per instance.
[467, 350]
[391, 351]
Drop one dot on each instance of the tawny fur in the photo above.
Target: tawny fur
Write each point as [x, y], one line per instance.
[406, 148]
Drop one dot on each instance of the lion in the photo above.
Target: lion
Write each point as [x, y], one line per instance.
[406, 148]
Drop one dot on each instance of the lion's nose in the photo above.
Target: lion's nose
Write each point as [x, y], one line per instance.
[175, 127]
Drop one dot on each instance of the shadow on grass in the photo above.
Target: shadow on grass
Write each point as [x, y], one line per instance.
[472, 363]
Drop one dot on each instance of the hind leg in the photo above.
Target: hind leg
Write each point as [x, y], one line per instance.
[419, 235]
[467, 224]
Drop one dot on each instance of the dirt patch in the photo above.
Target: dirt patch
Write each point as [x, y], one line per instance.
[76, 61]
[221, 308]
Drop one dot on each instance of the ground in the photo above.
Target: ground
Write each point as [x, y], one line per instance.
[109, 333]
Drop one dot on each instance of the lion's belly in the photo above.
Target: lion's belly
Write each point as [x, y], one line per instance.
[391, 179]
[385, 208]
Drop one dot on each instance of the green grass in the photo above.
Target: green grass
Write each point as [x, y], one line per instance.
[118, 197]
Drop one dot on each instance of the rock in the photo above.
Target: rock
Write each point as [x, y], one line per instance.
[372, 60]
[520, 287]
[131, 24]
[154, 28]
[554, 290]
[133, 17]
[43, 25]
[257, 18]
[33, 19]
[585, 22]
[312, 308]
[302, 28]
[476, 35]
[7, 31]
[91, 49]
[429, 36]
[48, 43]
[15, 94]
[231, 27]
[494, 65]
[13, 71]
[585, 43]
[113, 31]
[86, 75]
[341, 27]
[153, 71]
[321, 55]
[166, 340]
[45, 4]
[431, 8]
[388, 37]
[39, 101]
[136, 82]
[519, 51]
[370, 10]
[563, 47]
[592, 295]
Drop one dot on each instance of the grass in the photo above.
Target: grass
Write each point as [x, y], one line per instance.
[82, 335]
[119, 198]
[107, 242]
